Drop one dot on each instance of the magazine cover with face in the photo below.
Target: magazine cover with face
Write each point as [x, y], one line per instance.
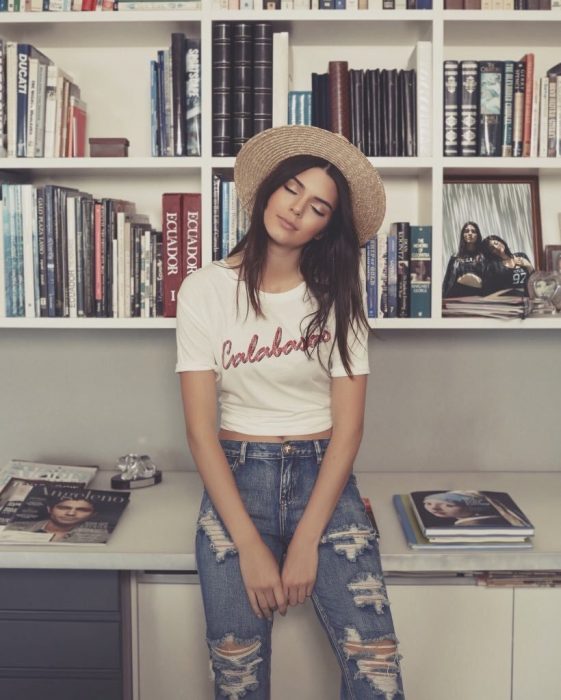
[469, 512]
[58, 514]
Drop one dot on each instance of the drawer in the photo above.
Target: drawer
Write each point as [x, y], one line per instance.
[53, 644]
[60, 688]
[45, 589]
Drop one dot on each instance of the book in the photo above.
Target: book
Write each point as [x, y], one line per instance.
[59, 514]
[370, 514]
[416, 540]
[45, 471]
[457, 513]
[15, 492]
[420, 271]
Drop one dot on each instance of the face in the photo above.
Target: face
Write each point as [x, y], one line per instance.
[446, 509]
[470, 234]
[69, 513]
[299, 210]
[545, 288]
[496, 246]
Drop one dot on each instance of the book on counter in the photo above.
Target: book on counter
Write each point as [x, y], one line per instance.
[417, 540]
[65, 513]
[469, 513]
[43, 471]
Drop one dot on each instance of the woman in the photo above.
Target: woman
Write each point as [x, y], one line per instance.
[504, 269]
[279, 327]
[465, 508]
[464, 273]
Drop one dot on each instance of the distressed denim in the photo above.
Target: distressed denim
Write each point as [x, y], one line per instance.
[275, 481]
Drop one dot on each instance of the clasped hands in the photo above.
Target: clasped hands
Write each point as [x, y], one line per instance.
[269, 588]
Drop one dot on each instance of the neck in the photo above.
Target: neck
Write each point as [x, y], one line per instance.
[281, 270]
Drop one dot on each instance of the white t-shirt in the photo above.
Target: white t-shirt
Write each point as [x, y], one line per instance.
[267, 383]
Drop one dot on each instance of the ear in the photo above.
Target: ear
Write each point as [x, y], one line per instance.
[319, 236]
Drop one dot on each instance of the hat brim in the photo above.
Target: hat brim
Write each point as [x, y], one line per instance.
[261, 154]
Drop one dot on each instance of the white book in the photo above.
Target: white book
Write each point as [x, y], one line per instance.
[2, 270]
[305, 4]
[147, 260]
[168, 92]
[24, 197]
[544, 103]
[71, 255]
[40, 113]
[32, 79]
[375, 4]
[127, 268]
[50, 111]
[351, 5]
[35, 236]
[280, 78]
[11, 96]
[314, 4]
[535, 119]
[558, 118]
[421, 62]
[119, 281]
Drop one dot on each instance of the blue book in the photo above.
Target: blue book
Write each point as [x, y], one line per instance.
[420, 271]
[8, 253]
[372, 277]
[225, 217]
[392, 272]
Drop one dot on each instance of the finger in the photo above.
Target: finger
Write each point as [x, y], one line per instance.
[280, 598]
[271, 601]
[254, 604]
[292, 595]
[301, 594]
[309, 590]
[262, 601]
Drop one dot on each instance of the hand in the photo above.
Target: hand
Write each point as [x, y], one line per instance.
[470, 279]
[262, 581]
[299, 570]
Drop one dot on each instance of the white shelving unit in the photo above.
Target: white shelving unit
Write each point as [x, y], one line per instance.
[108, 54]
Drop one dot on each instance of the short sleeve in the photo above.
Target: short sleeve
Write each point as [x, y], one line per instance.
[194, 346]
[358, 354]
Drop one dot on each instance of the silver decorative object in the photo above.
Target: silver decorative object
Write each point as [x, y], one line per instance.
[544, 290]
[136, 471]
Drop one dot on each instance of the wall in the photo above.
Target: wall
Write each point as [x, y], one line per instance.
[437, 400]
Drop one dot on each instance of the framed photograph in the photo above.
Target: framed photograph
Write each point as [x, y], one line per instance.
[502, 245]
[553, 258]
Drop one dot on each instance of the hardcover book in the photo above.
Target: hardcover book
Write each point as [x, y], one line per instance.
[490, 100]
[471, 513]
[58, 514]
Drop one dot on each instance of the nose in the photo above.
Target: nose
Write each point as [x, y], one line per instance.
[296, 210]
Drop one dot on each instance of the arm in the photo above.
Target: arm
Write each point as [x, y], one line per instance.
[259, 568]
[347, 407]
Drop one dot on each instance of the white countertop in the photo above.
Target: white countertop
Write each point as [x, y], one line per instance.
[157, 530]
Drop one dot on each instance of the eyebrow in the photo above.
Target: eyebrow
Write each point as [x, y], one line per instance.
[319, 199]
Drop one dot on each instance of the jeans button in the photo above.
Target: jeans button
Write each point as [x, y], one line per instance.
[287, 449]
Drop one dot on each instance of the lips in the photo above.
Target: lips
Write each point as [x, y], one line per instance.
[285, 223]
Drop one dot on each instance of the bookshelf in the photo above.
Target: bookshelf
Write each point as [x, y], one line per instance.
[123, 44]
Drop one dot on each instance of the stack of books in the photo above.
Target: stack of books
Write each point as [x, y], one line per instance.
[500, 305]
[52, 504]
[441, 519]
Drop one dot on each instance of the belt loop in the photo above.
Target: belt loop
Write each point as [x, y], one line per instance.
[318, 451]
[243, 448]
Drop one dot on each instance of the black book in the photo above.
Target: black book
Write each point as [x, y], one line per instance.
[242, 85]
[316, 103]
[89, 256]
[368, 115]
[401, 120]
[356, 80]
[178, 99]
[403, 255]
[262, 77]
[221, 88]
[490, 101]
[410, 78]
[42, 249]
[377, 102]
[451, 108]
[469, 106]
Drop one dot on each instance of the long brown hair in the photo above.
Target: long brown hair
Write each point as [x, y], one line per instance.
[329, 265]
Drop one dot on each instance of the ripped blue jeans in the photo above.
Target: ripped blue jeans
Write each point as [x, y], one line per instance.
[275, 481]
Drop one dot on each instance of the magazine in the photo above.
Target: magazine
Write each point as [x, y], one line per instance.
[46, 472]
[16, 490]
[416, 540]
[62, 514]
[473, 513]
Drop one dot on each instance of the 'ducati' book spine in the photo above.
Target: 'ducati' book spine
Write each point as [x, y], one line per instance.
[420, 271]
[451, 121]
[519, 86]
[490, 98]
[469, 91]
[193, 98]
[172, 253]
[262, 77]
[221, 88]
[191, 232]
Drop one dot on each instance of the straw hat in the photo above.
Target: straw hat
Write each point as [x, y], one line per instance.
[261, 154]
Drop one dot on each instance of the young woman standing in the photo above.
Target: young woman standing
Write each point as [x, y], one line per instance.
[277, 331]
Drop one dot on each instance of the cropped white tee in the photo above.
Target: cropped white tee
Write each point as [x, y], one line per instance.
[267, 385]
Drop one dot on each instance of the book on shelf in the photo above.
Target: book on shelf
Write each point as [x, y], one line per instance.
[45, 471]
[499, 305]
[469, 513]
[61, 514]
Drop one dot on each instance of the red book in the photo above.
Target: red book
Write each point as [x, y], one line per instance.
[191, 232]
[172, 253]
[78, 121]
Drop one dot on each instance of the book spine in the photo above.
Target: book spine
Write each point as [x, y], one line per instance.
[517, 110]
[242, 79]
[221, 88]
[382, 274]
[263, 77]
[191, 232]
[552, 117]
[178, 70]
[42, 250]
[280, 79]
[25, 198]
[512, 120]
[339, 98]
[468, 109]
[420, 271]
[403, 255]
[22, 98]
[491, 88]
[528, 60]
[544, 106]
[193, 97]
[451, 123]
[172, 253]
[371, 278]
[392, 272]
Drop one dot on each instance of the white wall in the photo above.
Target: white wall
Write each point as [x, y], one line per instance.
[440, 400]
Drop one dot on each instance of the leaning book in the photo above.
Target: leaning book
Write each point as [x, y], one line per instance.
[454, 513]
[416, 540]
[63, 514]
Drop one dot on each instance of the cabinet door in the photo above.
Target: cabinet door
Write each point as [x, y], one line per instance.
[537, 643]
[455, 641]
[172, 654]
